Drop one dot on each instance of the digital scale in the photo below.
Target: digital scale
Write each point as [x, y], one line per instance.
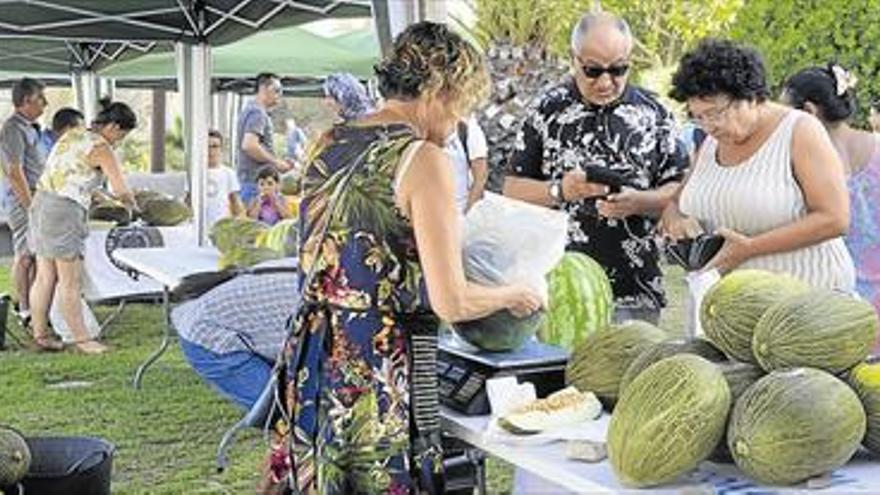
[462, 371]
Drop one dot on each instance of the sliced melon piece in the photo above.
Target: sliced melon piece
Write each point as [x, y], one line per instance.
[563, 408]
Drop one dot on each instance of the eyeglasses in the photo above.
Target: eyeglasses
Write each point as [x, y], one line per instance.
[595, 72]
[713, 116]
[215, 146]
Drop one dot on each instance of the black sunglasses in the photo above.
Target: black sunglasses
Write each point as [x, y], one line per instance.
[594, 72]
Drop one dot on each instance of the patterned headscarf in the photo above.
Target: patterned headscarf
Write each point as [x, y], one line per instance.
[350, 94]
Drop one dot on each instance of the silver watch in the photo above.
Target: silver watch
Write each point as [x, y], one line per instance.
[556, 190]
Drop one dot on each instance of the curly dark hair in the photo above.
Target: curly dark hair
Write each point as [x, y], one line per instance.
[717, 67]
[428, 58]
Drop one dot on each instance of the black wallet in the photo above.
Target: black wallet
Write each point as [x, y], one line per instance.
[693, 253]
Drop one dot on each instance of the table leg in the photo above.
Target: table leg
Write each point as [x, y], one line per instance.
[478, 458]
[166, 339]
[110, 318]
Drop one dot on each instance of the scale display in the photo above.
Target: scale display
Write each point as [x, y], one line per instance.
[462, 372]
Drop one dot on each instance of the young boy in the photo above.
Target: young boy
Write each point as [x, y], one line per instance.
[221, 196]
[269, 207]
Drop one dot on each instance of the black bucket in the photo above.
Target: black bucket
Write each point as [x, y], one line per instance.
[68, 466]
[4, 312]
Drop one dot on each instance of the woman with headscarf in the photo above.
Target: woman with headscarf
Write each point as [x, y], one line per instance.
[347, 96]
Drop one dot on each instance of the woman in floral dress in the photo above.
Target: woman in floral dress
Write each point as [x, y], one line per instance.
[380, 236]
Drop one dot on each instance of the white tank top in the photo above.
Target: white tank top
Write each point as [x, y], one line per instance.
[759, 195]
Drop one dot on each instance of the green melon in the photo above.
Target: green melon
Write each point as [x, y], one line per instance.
[865, 380]
[246, 256]
[580, 301]
[668, 348]
[231, 232]
[15, 457]
[795, 424]
[165, 212]
[667, 421]
[109, 210]
[599, 362]
[282, 237]
[500, 331]
[739, 377]
[733, 306]
[823, 329]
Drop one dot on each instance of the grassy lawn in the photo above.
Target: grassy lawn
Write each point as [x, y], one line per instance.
[166, 434]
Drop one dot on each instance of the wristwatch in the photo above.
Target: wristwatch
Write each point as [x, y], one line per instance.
[556, 190]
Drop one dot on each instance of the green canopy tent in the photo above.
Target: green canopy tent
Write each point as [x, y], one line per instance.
[99, 32]
[291, 51]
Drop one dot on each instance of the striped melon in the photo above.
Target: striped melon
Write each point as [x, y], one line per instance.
[580, 301]
[668, 348]
[739, 377]
[667, 421]
[795, 424]
[822, 329]
[282, 237]
[733, 306]
[598, 363]
[865, 380]
[15, 457]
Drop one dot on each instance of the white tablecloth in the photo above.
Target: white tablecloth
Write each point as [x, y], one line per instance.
[102, 280]
[548, 461]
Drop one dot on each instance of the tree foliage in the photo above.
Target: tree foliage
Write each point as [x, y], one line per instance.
[796, 34]
[665, 29]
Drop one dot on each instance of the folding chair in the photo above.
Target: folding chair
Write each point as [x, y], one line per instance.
[257, 416]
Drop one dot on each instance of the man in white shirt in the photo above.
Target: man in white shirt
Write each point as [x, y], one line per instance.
[468, 152]
[221, 197]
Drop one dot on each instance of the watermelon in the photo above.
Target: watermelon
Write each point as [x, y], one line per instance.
[794, 424]
[599, 362]
[667, 421]
[865, 380]
[580, 301]
[15, 457]
[821, 328]
[499, 332]
[666, 349]
[733, 306]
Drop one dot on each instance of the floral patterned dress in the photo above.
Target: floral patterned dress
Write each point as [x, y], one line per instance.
[358, 377]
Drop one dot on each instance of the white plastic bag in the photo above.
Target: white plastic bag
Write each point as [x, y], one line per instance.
[508, 241]
[698, 284]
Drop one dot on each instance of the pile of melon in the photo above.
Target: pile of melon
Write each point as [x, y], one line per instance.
[781, 386]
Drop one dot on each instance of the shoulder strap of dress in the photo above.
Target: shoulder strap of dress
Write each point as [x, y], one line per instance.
[405, 161]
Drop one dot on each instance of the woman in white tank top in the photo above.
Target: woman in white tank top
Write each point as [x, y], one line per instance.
[767, 178]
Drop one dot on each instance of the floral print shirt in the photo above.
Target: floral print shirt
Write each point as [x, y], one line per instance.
[68, 171]
[634, 136]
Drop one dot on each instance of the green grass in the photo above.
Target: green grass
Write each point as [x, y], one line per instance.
[166, 434]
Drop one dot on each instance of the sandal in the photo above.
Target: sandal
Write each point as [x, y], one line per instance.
[89, 346]
[45, 343]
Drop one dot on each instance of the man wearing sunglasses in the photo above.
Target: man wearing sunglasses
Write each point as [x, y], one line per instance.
[255, 136]
[607, 153]
[22, 162]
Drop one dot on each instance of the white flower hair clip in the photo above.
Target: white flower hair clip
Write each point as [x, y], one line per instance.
[843, 79]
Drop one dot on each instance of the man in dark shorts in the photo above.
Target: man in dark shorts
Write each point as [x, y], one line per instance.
[22, 162]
